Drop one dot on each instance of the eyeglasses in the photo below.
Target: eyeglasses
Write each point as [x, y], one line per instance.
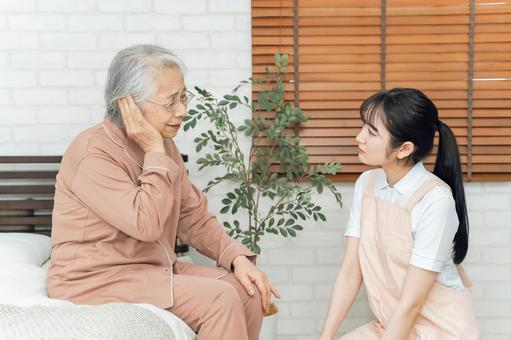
[173, 105]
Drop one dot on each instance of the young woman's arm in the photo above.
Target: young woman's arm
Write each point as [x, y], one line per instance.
[418, 284]
[346, 287]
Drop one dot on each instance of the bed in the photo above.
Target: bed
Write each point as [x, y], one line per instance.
[26, 311]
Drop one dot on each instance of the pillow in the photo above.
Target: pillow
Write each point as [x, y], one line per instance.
[17, 278]
[24, 247]
[24, 284]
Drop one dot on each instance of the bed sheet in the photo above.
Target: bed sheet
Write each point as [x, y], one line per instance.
[24, 285]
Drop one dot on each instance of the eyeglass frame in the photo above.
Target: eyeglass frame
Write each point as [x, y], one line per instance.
[172, 107]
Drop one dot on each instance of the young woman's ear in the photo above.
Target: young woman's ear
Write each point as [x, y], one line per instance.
[405, 150]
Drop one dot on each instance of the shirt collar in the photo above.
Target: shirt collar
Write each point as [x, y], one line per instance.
[119, 136]
[406, 183]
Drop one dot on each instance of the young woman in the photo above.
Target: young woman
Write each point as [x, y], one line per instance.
[408, 228]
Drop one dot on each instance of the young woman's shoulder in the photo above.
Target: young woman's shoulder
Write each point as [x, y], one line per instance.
[442, 188]
[439, 198]
[364, 177]
[362, 182]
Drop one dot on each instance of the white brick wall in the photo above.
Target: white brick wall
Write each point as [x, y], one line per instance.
[53, 59]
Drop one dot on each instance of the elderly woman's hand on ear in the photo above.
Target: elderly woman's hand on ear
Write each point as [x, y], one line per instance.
[138, 128]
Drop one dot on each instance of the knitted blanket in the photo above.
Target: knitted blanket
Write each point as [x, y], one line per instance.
[102, 322]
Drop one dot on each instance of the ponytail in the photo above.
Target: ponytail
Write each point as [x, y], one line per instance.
[448, 169]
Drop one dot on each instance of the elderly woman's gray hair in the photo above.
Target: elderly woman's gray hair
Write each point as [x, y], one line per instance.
[132, 72]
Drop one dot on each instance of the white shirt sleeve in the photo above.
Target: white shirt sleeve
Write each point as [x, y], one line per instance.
[353, 227]
[436, 224]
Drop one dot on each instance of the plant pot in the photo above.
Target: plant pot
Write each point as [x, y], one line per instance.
[269, 328]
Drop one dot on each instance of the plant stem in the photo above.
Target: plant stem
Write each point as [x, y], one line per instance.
[244, 173]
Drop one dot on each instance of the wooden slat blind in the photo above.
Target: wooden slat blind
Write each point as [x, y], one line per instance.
[426, 52]
[492, 91]
[352, 48]
[348, 50]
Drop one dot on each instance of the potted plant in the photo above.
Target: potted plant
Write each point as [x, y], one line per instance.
[274, 183]
[276, 169]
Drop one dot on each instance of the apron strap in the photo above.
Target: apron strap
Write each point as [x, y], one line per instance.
[425, 188]
[369, 188]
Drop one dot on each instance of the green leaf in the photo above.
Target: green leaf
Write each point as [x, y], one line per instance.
[226, 201]
[291, 232]
[200, 145]
[189, 125]
[283, 232]
[256, 249]
[227, 225]
[297, 227]
[290, 222]
[224, 210]
[319, 188]
[231, 195]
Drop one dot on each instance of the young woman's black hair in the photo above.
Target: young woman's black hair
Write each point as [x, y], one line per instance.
[409, 115]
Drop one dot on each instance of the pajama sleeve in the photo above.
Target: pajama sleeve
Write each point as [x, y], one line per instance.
[200, 228]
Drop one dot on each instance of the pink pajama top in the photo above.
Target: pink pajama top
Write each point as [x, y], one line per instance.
[116, 217]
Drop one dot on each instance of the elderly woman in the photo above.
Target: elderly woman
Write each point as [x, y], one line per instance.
[123, 196]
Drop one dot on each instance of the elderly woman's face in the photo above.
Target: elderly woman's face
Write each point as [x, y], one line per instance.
[166, 109]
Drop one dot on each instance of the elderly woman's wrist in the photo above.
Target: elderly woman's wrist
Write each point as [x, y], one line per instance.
[155, 148]
[240, 259]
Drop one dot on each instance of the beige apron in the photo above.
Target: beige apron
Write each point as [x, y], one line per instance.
[385, 249]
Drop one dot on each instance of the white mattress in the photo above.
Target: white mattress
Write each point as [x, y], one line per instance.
[23, 284]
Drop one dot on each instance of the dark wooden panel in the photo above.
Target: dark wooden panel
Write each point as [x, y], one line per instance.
[29, 159]
[27, 189]
[28, 174]
[24, 220]
[26, 204]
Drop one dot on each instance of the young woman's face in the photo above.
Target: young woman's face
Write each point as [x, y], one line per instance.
[373, 144]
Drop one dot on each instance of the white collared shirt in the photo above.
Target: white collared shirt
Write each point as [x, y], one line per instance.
[434, 220]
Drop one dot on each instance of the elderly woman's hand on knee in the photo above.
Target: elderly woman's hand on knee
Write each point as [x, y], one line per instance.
[249, 275]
